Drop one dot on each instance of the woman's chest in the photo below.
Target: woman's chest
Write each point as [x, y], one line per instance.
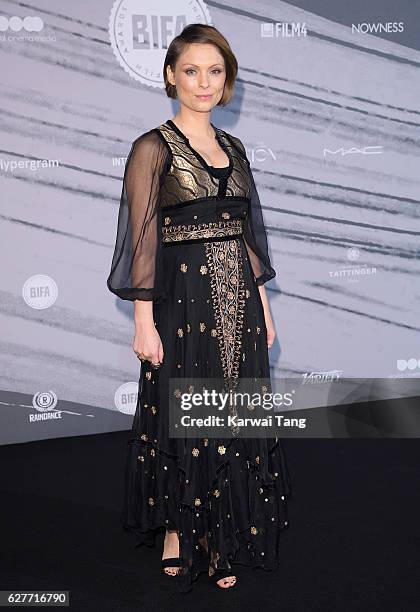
[189, 176]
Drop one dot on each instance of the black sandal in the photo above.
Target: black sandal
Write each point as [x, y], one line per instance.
[171, 562]
[219, 574]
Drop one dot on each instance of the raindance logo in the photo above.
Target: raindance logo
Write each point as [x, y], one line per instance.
[45, 402]
[140, 33]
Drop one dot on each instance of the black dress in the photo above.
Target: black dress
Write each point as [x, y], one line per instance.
[191, 238]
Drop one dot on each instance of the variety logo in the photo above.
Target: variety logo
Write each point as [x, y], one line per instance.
[283, 29]
[125, 397]
[140, 33]
[40, 291]
[316, 378]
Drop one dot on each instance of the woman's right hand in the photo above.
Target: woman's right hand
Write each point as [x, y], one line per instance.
[147, 343]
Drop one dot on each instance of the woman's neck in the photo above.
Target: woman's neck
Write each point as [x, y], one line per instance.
[194, 124]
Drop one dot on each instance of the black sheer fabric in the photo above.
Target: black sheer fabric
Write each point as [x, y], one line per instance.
[136, 271]
[254, 231]
[191, 238]
[256, 239]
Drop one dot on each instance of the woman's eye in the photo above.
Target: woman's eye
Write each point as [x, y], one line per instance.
[215, 71]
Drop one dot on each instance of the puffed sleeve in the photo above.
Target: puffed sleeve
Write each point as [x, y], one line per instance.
[255, 237]
[136, 269]
[254, 231]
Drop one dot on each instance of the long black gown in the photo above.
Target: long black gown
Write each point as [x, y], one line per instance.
[191, 238]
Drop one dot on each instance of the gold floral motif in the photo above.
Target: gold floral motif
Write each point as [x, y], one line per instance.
[214, 332]
[254, 530]
[143, 437]
[203, 269]
[180, 332]
[257, 459]
[188, 327]
[258, 329]
[148, 375]
[140, 458]
[153, 409]
[224, 260]
[221, 450]
[195, 452]
[214, 229]
[151, 501]
[226, 215]
[216, 493]
[247, 293]
[152, 452]
[197, 501]
[202, 327]
[167, 220]
[177, 393]
[206, 441]
[183, 267]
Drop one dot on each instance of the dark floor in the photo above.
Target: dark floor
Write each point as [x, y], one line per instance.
[352, 544]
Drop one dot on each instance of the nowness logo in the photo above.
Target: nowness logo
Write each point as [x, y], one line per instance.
[140, 33]
[377, 28]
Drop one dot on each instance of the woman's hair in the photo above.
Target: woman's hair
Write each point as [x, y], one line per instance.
[202, 33]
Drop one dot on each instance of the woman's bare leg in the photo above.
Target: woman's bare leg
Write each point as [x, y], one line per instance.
[171, 549]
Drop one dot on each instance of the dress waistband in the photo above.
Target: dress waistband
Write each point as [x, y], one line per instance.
[222, 229]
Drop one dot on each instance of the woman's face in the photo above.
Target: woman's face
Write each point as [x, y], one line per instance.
[199, 76]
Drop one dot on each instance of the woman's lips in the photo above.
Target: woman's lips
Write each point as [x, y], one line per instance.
[205, 97]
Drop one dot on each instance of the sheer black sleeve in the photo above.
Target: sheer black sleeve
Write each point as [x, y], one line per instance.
[254, 231]
[136, 269]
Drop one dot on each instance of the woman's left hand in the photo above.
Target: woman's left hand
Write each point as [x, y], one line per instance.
[271, 331]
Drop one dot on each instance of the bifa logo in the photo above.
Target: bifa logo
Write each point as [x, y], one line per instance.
[126, 396]
[140, 33]
[40, 291]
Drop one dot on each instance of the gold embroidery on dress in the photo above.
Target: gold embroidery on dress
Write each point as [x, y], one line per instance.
[187, 179]
[176, 233]
[224, 261]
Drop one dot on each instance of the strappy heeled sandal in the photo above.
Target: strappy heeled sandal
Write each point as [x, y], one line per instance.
[171, 562]
[219, 574]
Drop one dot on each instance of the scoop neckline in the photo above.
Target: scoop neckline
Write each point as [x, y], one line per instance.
[220, 170]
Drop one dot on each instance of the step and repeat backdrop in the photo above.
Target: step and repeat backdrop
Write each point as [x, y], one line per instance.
[327, 103]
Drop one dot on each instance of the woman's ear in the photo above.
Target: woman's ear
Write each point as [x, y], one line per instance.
[170, 75]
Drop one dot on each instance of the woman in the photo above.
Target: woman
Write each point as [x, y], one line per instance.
[191, 252]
